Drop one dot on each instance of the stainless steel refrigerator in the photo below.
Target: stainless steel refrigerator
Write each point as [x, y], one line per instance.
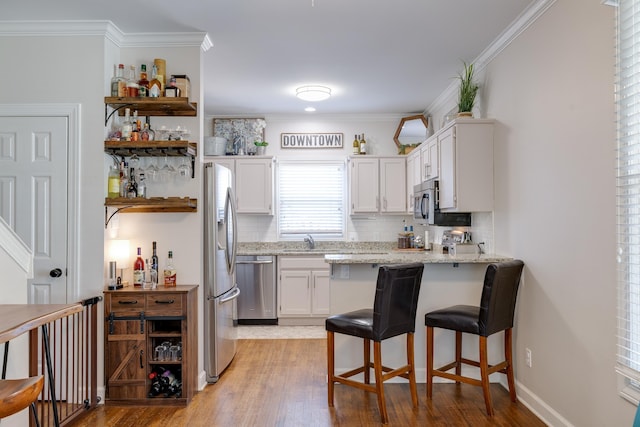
[220, 289]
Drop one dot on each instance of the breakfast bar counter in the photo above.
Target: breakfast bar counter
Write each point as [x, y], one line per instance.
[447, 280]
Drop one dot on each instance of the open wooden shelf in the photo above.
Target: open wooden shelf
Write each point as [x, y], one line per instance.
[151, 148]
[153, 204]
[147, 106]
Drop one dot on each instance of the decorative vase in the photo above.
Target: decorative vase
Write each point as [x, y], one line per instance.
[261, 150]
[465, 114]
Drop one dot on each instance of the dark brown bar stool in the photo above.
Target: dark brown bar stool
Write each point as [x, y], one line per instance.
[393, 313]
[15, 395]
[495, 314]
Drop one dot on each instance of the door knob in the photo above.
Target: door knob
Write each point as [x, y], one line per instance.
[56, 272]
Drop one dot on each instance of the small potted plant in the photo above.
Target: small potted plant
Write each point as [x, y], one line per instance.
[467, 91]
[261, 147]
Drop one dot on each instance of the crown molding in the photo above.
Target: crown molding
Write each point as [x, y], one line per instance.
[517, 27]
[105, 29]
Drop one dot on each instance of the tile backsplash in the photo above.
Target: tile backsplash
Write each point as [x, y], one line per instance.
[263, 228]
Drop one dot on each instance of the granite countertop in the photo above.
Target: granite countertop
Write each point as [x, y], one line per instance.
[339, 252]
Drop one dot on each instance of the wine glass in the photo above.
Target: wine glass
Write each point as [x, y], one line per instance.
[184, 170]
[167, 171]
[152, 171]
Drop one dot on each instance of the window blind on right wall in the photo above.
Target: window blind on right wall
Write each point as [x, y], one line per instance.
[628, 196]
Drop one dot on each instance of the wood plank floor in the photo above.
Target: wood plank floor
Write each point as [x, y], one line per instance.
[283, 383]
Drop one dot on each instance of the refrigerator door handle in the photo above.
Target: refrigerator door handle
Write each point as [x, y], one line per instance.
[269, 261]
[233, 295]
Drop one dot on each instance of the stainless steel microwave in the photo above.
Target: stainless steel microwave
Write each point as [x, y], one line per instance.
[426, 208]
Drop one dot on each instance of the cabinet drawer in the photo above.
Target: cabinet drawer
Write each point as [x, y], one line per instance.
[164, 304]
[126, 303]
[306, 263]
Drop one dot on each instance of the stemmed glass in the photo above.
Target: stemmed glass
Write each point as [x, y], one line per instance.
[184, 170]
[152, 171]
[167, 171]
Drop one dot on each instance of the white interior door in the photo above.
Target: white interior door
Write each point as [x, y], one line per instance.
[33, 197]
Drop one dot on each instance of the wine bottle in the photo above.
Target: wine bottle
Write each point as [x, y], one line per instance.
[143, 83]
[363, 145]
[132, 189]
[155, 85]
[118, 83]
[124, 179]
[113, 183]
[142, 187]
[132, 83]
[172, 91]
[170, 271]
[138, 270]
[154, 267]
[127, 126]
[356, 145]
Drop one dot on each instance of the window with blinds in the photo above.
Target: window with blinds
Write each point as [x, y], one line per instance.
[311, 199]
[628, 195]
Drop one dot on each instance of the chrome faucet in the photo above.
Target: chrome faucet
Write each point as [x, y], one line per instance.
[308, 239]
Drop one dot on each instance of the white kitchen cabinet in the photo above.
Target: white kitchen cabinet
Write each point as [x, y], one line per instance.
[414, 175]
[253, 183]
[378, 184]
[430, 159]
[303, 289]
[466, 166]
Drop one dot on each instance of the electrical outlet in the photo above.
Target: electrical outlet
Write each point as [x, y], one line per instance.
[527, 357]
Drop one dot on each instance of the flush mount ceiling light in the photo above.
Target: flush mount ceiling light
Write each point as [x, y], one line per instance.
[313, 93]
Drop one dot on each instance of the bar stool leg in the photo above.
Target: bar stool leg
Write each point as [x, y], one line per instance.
[508, 356]
[377, 365]
[429, 362]
[412, 370]
[484, 375]
[330, 367]
[458, 354]
[367, 361]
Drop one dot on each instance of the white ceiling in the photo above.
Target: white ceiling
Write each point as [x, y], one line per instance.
[377, 56]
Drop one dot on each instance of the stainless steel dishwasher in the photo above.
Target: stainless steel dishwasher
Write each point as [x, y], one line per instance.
[256, 278]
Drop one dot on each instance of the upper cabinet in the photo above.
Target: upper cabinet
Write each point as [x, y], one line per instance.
[253, 182]
[430, 159]
[466, 166]
[378, 184]
[414, 175]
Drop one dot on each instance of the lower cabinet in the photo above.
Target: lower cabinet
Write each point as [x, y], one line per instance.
[151, 345]
[303, 290]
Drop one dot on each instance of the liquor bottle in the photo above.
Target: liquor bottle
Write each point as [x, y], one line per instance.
[142, 186]
[356, 145]
[143, 83]
[155, 86]
[118, 83]
[124, 178]
[363, 145]
[147, 133]
[138, 270]
[113, 183]
[154, 267]
[127, 125]
[132, 83]
[170, 271]
[172, 91]
[132, 189]
[135, 127]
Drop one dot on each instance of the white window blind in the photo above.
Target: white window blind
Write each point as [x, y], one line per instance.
[311, 199]
[628, 194]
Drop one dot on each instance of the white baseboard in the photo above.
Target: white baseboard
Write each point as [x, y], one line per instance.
[202, 380]
[539, 407]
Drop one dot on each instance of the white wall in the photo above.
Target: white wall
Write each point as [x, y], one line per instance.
[551, 92]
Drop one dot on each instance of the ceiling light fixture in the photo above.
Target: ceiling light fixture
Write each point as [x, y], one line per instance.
[313, 93]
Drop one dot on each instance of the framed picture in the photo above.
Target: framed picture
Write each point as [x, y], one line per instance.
[251, 130]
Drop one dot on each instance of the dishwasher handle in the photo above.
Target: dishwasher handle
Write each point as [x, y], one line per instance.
[261, 261]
